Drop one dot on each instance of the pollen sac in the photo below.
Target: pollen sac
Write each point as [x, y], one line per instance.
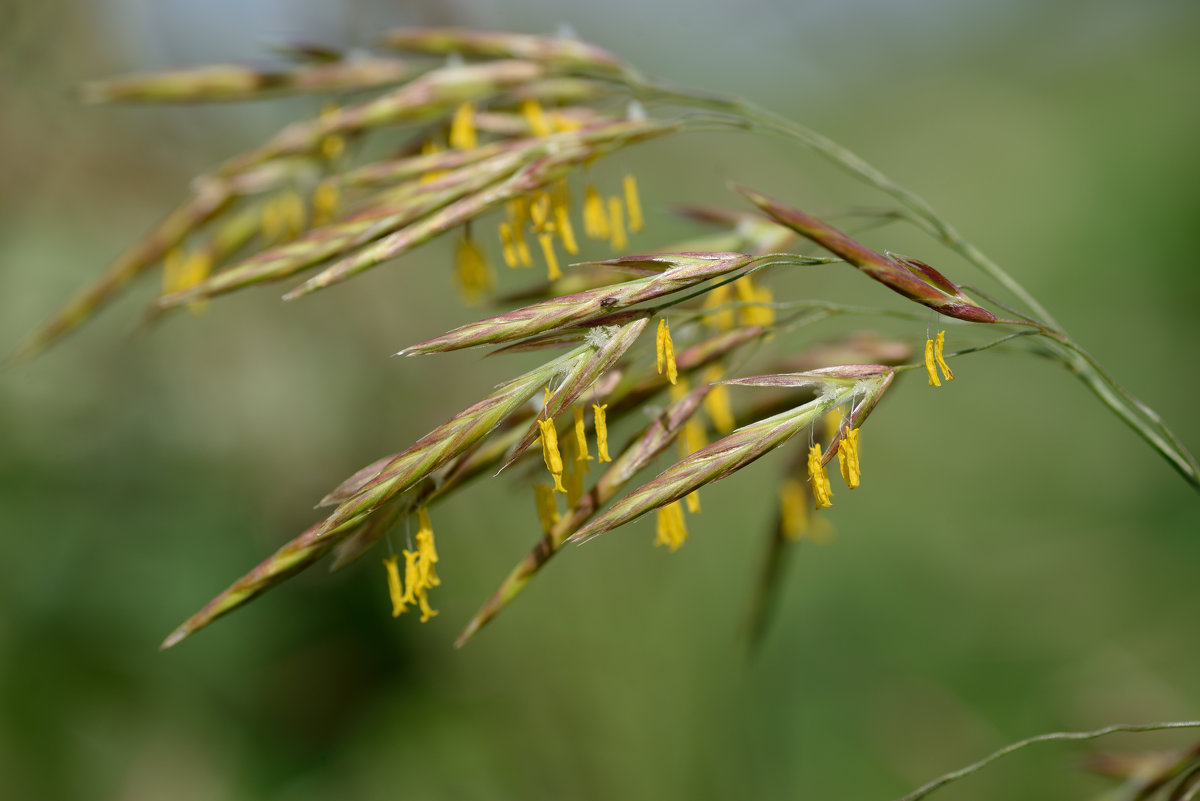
[671, 530]
[550, 453]
[665, 352]
[930, 367]
[818, 478]
[547, 507]
[601, 432]
[848, 459]
[395, 591]
[939, 345]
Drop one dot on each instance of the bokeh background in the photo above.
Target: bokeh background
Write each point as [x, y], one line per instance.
[1017, 561]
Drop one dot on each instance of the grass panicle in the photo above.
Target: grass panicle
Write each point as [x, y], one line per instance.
[450, 133]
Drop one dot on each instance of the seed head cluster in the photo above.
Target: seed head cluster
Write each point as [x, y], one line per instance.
[508, 148]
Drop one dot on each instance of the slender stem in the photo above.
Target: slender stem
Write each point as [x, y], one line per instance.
[973, 349]
[989, 345]
[748, 116]
[828, 306]
[954, 776]
[758, 118]
[999, 304]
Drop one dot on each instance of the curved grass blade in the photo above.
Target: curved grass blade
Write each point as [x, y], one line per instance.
[231, 82]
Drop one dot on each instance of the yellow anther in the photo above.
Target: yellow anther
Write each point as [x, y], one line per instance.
[472, 272]
[426, 550]
[547, 507]
[694, 438]
[582, 454]
[417, 580]
[462, 128]
[532, 111]
[573, 471]
[272, 222]
[326, 200]
[539, 211]
[848, 459]
[522, 250]
[419, 572]
[595, 218]
[422, 599]
[550, 453]
[723, 318]
[938, 344]
[793, 509]
[930, 367]
[633, 204]
[411, 577]
[693, 502]
[601, 432]
[818, 479]
[746, 292]
[659, 354]
[717, 403]
[334, 145]
[560, 194]
[282, 217]
[182, 272]
[546, 240]
[506, 244]
[833, 423]
[671, 530]
[616, 224]
[395, 591]
[563, 123]
[198, 268]
[423, 603]
[291, 207]
[765, 311]
[173, 266]
[431, 148]
[757, 311]
[518, 215]
[665, 351]
[562, 222]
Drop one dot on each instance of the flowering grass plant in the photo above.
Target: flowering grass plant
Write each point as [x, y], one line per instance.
[453, 133]
[499, 141]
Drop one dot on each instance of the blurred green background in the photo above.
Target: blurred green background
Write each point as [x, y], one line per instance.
[1017, 561]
